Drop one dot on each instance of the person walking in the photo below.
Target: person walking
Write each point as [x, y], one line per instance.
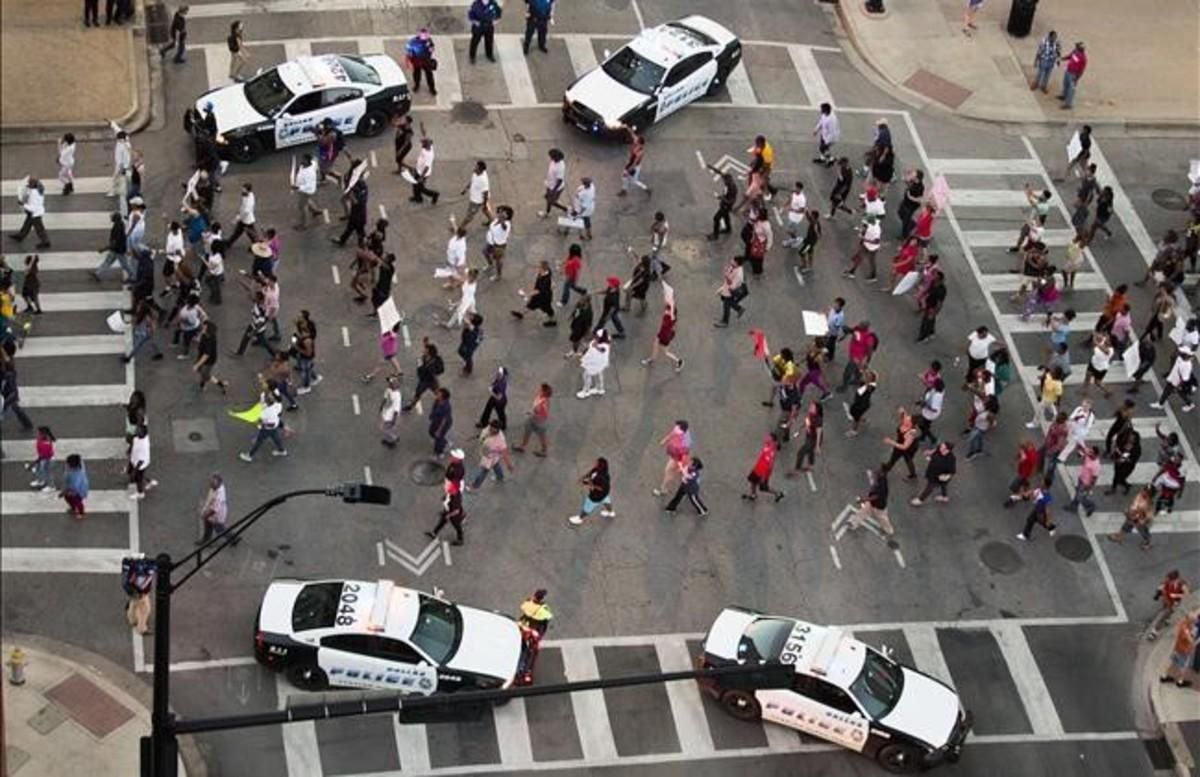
[593, 363]
[32, 197]
[116, 249]
[139, 463]
[760, 474]
[139, 587]
[452, 513]
[726, 198]
[479, 194]
[66, 163]
[177, 36]
[389, 412]
[145, 320]
[660, 232]
[91, 13]
[423, 170]
[611, 307]
[938, 474]
[828, 131]
[429, 367]
[841, 188]
[689, 486]
[402, 142]
[214, 511]
[583, 206]
[441, 419]
[496, 241]
[466, 300]
[598, 482]
[580, 325]
[556, 182]
[1040, 513]
[1077, 62]
[483, 15]
[535, 424]
[1047, 57]
[245, 219]
[304, 182]
[497, 401]
[1180, 379]
[931, 303]
[238, 56]
[930, 405]
[493, 454]
[808, 246]
[469, 339]
[76, 486]
[1050, 393]
[1079, 425]
[678, 444]
[984, 422]
[539, 14]
[904, 445]
[857, 409]
[419, 53]
[540, 296]
[664, 337]
[969, 27]
[31, 285]
[874, 504]
[870, 238]
[256, 330]
[1027, 467]
[1182, 651]
[814, 438]
[732, 291]
[305, 345]
[1127, 452]
[206, 359]
[572, 269]
[1169, 594]
[631, 174]
[43, 478]
[270, 426]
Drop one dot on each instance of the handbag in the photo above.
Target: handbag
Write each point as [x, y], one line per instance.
[433, 64]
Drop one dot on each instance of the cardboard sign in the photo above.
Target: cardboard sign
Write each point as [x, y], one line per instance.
[389, 316]
[815, 324]
[941, 192]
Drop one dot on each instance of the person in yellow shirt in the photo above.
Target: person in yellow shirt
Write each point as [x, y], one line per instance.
[762, 154]
[1051, 393]
[783, 373]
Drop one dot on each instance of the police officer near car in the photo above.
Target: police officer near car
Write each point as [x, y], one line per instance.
[483, 16]
[539, 14]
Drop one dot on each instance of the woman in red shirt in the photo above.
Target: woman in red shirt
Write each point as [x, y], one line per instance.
[1028, 464]
[666, 333]
[923, 230]
[904, 262]
[760, 476]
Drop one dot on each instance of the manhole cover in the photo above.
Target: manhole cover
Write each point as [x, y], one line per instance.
[1000, 558]
[445, 22]
[1072, 547]
[517, 137]
[1169, 199]
[195, 436]
[468, 112]
[426, 472]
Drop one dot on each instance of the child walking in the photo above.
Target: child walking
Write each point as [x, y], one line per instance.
[44, 447]
[75, 486]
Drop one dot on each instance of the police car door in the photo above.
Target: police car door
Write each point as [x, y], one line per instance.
[294, 124]
[368, 661]
[685, 82]
[818, 708]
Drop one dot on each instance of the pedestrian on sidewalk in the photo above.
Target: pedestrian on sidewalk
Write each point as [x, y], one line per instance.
[483, 15]
[1170, 592]
[32, 197]
[43, 479]
[726, 198]
[493, 454]
[593, 363]
[270, 426]
[535, 424]
[1085, 484]
[452, 513]
[214, 511]
[539, 14]
[496, 241]
[419, 53]
[631, 174]
[1040, 514]
[1182, 651]
[1076, 63]
[973, 7]
[938, 473]
[760, 475]
[66, 163]
[441, 419]
[139, 463]
[177, 35]
[1049, 54]
[664, 337]
[238, 57]
[76, 486]
[678, 445]
[874, 503]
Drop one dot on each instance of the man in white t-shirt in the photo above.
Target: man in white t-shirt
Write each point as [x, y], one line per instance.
[422, 171]
[556, 181]
[456, 257]
[270, 426]
[979, 347]
[305, 184]
[583, 205]
[828, 131]
[496, 241]
[1079, 424]
[796, 208]
[870, 238]
[479, 193]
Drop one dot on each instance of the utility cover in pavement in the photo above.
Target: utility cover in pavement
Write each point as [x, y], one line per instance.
[1001, 558]
[426, 472]
[468, 112]
[47, 719]
[194, 435]
[1169, 199]
[89, 705]
[1072, 547]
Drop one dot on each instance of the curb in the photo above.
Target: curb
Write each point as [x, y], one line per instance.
[869, 67]
[1151, 663]
[122, 678]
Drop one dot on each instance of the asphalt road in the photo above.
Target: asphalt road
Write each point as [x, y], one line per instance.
[1038, 638]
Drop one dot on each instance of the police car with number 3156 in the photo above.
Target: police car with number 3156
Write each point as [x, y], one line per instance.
[655, 74]
[356, 634]
[279, 107]
[844, 691]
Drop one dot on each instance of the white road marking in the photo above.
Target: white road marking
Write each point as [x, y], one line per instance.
[512, 733]
[1001, 283]
[379, 554]
[899, 558]
[1022, 166]
[216, 62]
[927, 653]
[89, 448]
[583, 56]
[1084, 322]
[446, 554]
[700, 159]
[1002, 238]
[371, 44]
[300, 750]
[516, 71]
[374, 159]
[63, 560]
[210, 10]
[1031, 686]
[367, 474]
[77, 396]
[812, 484]
[810, 74]
[98, 184]
[36, 503]
[412, 744]
[294, 49]
[382, 209]
[346, 337]
[72, 220]
[58, 302]
[451, 85]
[325, 215]
[799, 275]
[687, 708]
[591, 712]
[355, 403]
[837, 561]
[55, 261]
[215, 663]
[73, 345]
[780, 739]
[337, 276]
[407, 337]
[1180, 522]
[987, 198]
[741, 92]
[637, 13]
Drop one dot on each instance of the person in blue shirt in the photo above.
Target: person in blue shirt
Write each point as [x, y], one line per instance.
[419, 53]
[538, 15]
[483, 16]
[75, 485]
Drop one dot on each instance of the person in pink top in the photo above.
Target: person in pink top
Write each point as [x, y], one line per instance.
[1089, 475]
[1076, 64]
[388, 349]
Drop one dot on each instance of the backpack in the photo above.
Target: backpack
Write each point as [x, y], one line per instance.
[137, 575]
[437, 366]
[339, 141]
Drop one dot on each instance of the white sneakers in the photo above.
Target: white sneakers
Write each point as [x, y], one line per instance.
[585, 393]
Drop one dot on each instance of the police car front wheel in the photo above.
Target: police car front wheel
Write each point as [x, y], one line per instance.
[741, 704]
[245, 150]
[308, 678]
[372, 123]
[899, 758]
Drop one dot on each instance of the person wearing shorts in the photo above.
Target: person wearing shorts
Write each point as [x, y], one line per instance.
[599, 486]
[760, 476]
[496, 241]
[1181, 651]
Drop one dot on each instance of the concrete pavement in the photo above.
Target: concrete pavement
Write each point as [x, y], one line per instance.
[918, 47]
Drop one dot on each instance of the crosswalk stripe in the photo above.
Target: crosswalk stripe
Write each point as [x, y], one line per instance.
[516, 70]
[987, 198]
[1142, 473]
[56, 261]
[55, 302]
[810, 75]
[36, 503]
[11, 222]
[412, 745]
[211, 10]
[583, 56]
[781, 739]
[997, 283]
[927, 653]
[216, 63]
[294, 49]
[1182, 521]
[591, 711]
[1144, 427]
[74, 345]
[687, 708]
[90, 448]
[97, 184]
[1031, 686]
[1116, 374]
[302, 753]
[1022, 166]
[512, 733]
[451, 85]
[1011, 322]
[1003, 238]
[740, 90]
[63, 560]
[75, 396]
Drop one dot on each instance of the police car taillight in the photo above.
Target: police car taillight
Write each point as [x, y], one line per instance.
[260, 641]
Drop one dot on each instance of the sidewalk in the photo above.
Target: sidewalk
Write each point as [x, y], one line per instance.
[106, 69]
[1176, 710]
[1142, 59]
[77, 713]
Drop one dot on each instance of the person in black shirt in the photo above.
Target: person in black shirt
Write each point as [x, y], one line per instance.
[841, 188]
[598, 483]
[402, 142]
[611, 308]
[356, 221]
[931, 305]
[725, 200]
[483, 16]
[428, 369]
[382, 290]
[874, 503]
[914, 193]
[541, 297]
[206, 358]
[452, 513]
[468, 343]
[178, 35]
[941, 469]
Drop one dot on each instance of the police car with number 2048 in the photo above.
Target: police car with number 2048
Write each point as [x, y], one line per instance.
[844, 691]
[280, 107]
[356, 634]
[655, 74]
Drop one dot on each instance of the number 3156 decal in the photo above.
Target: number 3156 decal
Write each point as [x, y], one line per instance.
[794, 647]
[346, 608]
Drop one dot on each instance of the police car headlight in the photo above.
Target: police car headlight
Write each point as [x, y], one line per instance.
[221, 139]
[614, 125]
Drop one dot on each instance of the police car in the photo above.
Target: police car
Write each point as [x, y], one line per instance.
[279, 107]
[844, 691]
[357, 634]
[657, 73]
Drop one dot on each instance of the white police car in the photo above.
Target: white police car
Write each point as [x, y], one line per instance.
[844, 691]
[655, 74]
[357, 634]
[279, 107]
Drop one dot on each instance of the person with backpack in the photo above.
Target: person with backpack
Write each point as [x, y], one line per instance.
[137, 579]
[539, 14]
[237, 51]
[419, 53]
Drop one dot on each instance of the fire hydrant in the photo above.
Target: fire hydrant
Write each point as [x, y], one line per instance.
[16, 666]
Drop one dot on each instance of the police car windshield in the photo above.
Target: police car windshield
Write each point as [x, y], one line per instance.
[626, 67]
[267, 93]
[358, 71]
[764, 639]
[879, 685]
[316, 606]
[438, 630]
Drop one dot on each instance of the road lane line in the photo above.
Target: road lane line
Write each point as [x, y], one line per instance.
[810, 74]
[300, 750]
[741, 92]
[837, 561]
[367, 474]
[63, 560]
[380, 555]
[1031, 686]
[687, 708]
[927, 653]
[516, 71]
[337, 276]
[346, 337]
[583, 56]
[73, 345]
[591, 712]
[412, 745]
[512, 733]
[357, 406]
[216, 62]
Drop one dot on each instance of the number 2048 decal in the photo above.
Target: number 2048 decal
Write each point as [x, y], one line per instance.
[346, 606]
[793, 649]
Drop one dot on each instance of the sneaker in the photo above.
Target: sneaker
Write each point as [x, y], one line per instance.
[245, 457]
[657, 492]
[608, 513]
[1031, 425]
[180, 357]
[583, 394]
[646, 362]
[541, 214]
[575, 520]
[598, 392]
[1182, 683]
[679, 365]
[1156, 406]
[942, 499]
[973, 456]
[36, 483]
[279, 453]
[318, 379]
[1188, 407]
[1022, 537]
[304, 390]
[48, 489]
[135, 496]
[151, 484]
[915, 502]
[670, 510]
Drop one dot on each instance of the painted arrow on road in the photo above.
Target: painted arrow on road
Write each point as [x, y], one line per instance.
[842, 524]
[419, 563]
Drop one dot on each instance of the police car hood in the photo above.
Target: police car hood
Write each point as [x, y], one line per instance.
[231, 107]
[490, 645]
[598, 91]
[927, 710]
